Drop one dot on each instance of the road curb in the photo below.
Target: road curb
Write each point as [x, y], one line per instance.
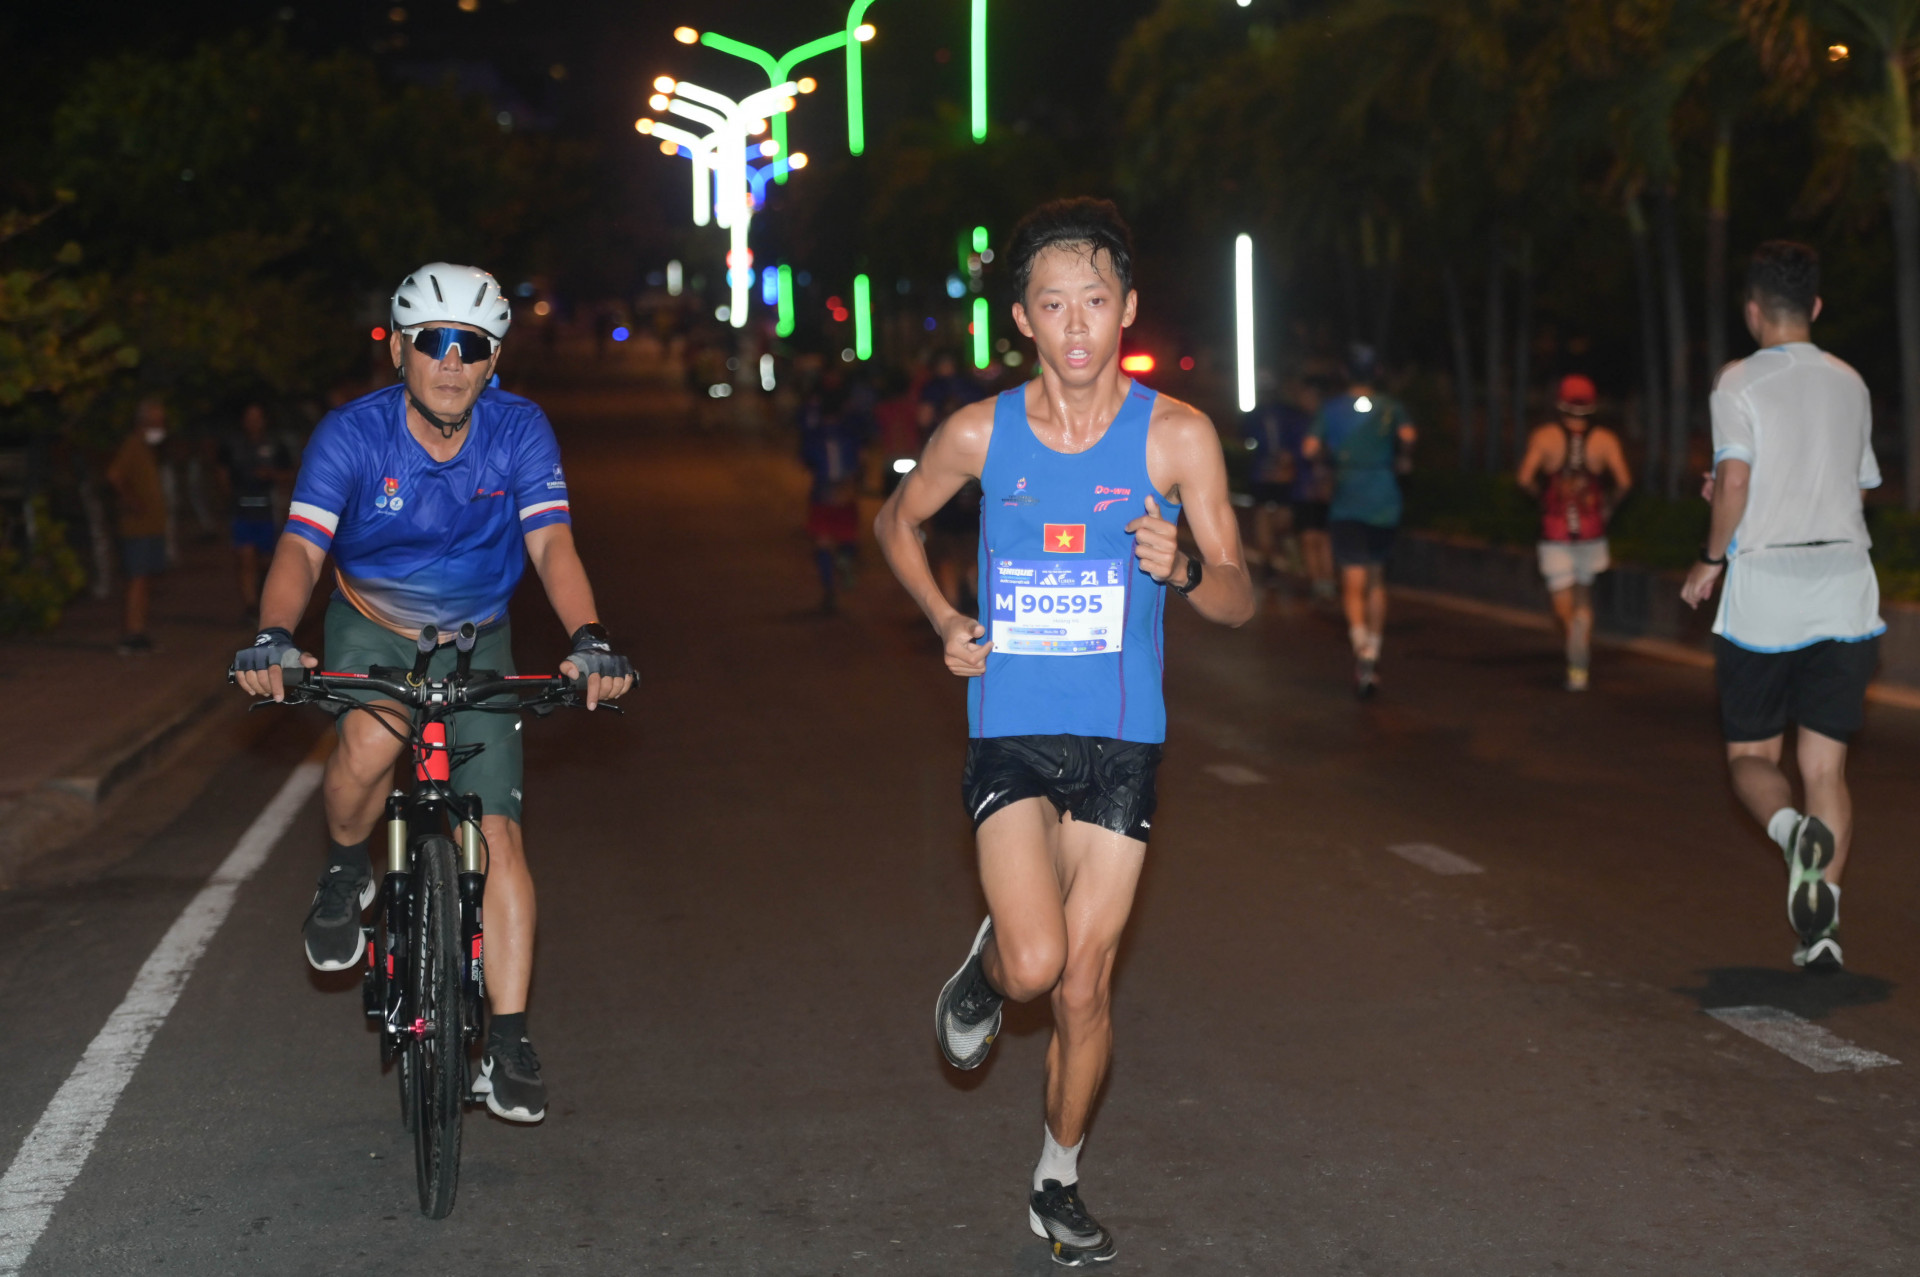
[62, 808]
[1894, 694]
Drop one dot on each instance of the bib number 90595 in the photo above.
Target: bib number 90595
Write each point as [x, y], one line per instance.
[1058, 608]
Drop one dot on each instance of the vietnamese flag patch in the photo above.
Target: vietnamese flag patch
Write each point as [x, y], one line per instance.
[1065, 538]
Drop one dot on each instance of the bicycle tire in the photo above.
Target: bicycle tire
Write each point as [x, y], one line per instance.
[439, 1050]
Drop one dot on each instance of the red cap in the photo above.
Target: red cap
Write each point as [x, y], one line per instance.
[1577, 394]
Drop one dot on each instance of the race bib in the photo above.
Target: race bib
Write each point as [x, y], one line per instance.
[1058, 608]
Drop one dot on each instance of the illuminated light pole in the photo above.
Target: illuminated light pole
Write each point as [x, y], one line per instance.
[1243, 318]
[777, 170]
[783, 323]
[982, 348]
[731, 124]
[978, 74]
[778, 70]
[862, 317]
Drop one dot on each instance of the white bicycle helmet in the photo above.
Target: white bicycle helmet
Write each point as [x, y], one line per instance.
[441, 292]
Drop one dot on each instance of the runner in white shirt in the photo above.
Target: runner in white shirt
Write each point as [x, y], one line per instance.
[1799, 622]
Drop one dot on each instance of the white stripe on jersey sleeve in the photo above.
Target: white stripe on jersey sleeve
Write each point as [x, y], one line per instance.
[314, 514]
[527, 512]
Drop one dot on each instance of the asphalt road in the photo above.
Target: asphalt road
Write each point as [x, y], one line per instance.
[1331, 1059]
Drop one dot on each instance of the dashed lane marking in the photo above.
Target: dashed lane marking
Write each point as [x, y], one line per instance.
[59, 1144]
[1435, 859]
[1800, 1040]
[1234, 774]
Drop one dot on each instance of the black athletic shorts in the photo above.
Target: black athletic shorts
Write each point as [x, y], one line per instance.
[1309, 516]
[1357, 544]
[1822, 687]
[1100, 780]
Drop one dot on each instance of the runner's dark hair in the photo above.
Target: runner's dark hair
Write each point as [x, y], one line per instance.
[1093, 225]
[1784, 277]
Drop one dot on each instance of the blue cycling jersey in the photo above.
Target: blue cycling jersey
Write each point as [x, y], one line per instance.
[417, 541]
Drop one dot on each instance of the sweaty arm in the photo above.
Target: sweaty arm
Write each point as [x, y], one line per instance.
[1531, 463]
[1184, 459]
[283, 601]
[956, 453]
[1614, 461]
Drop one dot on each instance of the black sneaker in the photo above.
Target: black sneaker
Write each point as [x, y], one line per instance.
[333, 935]
[1365, 681]
[966, 1018]
[1812, 908]
[510, 1079]
[1058, 1217]
[1822, 954]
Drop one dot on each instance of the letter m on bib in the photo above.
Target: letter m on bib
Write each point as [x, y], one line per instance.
[1065, 538]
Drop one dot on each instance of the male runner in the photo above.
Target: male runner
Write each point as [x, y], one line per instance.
[1369, 439]
[830, 447]
[1797, 635]
[1085, 473]
[1283, 486]
[255, 462]
[431, 496]
[1578, 457]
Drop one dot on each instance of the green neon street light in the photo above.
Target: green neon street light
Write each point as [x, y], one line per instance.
[856, 107]
[778, 69]
[862, 317]
[979, 70]
[980, 242]
[982, 348]
[783, 325]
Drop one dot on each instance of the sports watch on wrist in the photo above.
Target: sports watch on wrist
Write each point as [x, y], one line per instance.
[1186, 587]
[1712, 563]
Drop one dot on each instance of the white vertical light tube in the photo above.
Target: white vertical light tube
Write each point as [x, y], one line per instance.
[740, 272]
[1243, 318]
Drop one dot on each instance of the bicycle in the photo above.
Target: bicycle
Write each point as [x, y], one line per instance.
[425, 978]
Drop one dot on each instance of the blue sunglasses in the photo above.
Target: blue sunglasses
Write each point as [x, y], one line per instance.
[434, 343]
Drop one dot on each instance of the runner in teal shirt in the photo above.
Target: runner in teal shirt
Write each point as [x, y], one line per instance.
[1368, 437]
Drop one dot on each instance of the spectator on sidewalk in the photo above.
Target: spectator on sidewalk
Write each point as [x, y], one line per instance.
[255, 462]
[1796, 639]
[134, 473]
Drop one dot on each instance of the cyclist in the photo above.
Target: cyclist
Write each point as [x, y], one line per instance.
[1369, 439]
[431, 495]
[1086, 474]
[1568, 462]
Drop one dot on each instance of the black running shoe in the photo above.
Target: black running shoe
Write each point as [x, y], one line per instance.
[332, 930]
[1812, 908]
[510, 1079]
[1822, 954]
[1058, 1217]
[966, 1018]
[1365, 681]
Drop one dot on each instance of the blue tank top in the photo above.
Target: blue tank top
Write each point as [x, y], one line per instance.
[1075, 622]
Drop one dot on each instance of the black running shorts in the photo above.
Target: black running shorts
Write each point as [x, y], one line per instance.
[1822, 688]
[1357, 544]
[1097, 779]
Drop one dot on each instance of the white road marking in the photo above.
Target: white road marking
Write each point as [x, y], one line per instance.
[1800, 1040]
[59, 1144]
[1435, 859]
[1234, 774]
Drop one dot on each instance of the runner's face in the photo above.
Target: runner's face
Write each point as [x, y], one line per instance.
[448, 386]
[1074, 311]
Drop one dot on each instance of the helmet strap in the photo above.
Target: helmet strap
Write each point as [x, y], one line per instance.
[448, 426]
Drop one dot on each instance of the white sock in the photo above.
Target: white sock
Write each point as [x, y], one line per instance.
[1834, 887]
[1780, 828]
[1357, 635]
[1372, 650]
[1061, 1165]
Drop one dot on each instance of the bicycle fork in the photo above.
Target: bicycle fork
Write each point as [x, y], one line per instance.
[473, 889]
[385, 988]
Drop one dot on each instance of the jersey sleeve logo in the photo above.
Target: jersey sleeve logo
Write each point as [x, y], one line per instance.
[1065, 538]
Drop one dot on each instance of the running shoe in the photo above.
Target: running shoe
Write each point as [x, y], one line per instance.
[966, 1018]
[1823, 954]
[1576, 678]
[1365, 681]
[1057, 1216]
[510, 1079]
[1812, 908]
[332, 931]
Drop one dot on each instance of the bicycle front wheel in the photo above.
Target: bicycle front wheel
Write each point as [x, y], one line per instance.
[437, 1048]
